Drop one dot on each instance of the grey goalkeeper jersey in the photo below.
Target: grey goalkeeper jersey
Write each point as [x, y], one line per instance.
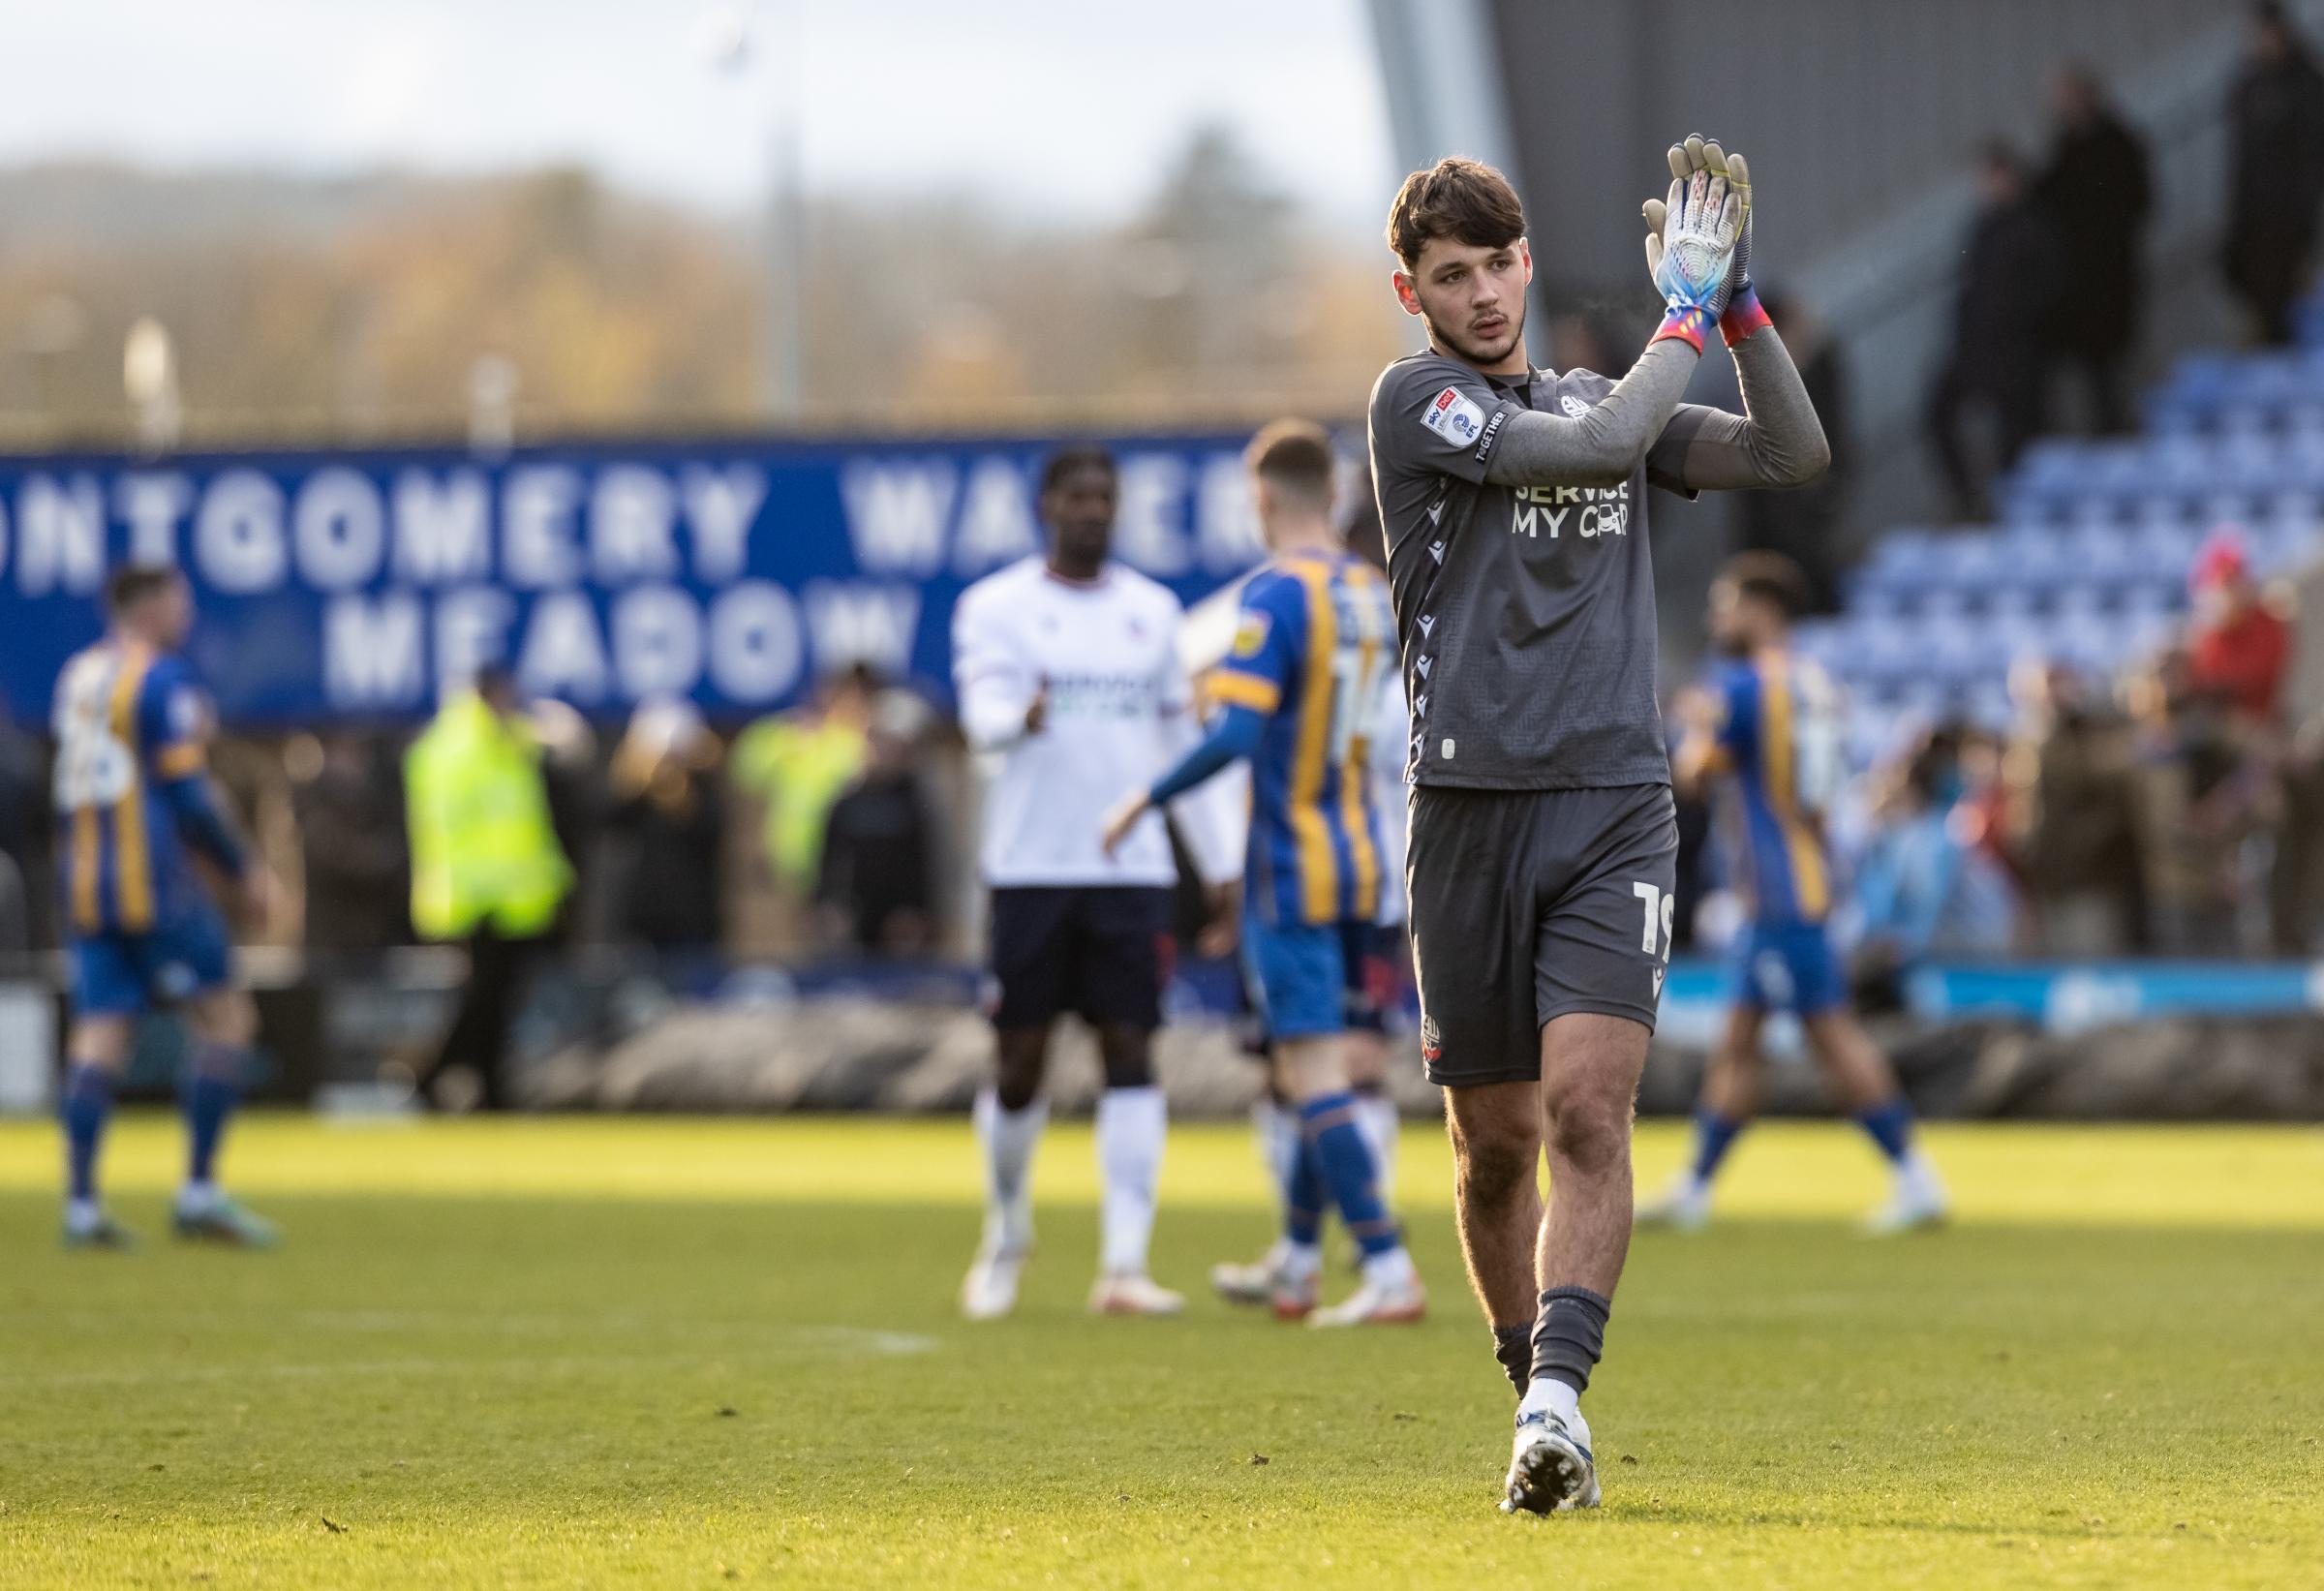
[1526, 613]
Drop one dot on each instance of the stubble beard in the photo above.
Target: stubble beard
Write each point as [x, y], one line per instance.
[1481, 357]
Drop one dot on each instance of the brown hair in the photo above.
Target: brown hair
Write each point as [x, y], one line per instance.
[1769, 576]
[133, 583]
[1463, 200]
[1295, 455]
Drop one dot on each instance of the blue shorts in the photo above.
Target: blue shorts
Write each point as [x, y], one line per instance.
[1311, 980]
[1788, 967]
[120, 974]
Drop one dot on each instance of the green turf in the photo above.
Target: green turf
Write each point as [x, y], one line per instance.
[675, 1352]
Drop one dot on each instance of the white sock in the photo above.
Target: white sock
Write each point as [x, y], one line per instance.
[1299, 1261]
[82, 1215]
[1377, 1119]
[1555, 1396]
[197, 1196]
[1131, 1124]
[1009, 1138]
[1277, 1131]
[1392, 1270]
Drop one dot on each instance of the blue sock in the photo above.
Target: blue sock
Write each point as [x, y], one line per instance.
[1891, 1128]
[212, 1091]
[1303, 1194]
[1329, 1125]
[1714, 1136]
[88, 1102]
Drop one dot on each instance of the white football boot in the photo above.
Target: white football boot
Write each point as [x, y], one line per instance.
[1551, 1469]
[989, 1291]
[1253, 1283]
[1684, 1205]
[1133, 1292]
[1918, 1203]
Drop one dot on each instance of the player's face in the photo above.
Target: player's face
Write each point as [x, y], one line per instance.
[1079, 511]
[1730, 619]
[1472, 297]
[173, 615]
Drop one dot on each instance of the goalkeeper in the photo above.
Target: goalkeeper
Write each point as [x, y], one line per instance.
[1543, 841]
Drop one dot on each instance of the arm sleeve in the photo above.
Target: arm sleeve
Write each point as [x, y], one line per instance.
[1777, 440]
[1234, 734]
[1207, 818]
[989, 676]
[1602, 445]
[174, 726]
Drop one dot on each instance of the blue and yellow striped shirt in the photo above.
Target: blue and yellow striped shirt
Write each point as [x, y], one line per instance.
[1778, 736]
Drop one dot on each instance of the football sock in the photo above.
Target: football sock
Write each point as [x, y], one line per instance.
[88, 1102]
[1345, 1161]
[1890, 1126]
[1010, 1138]
[1714, 1136]
[1303, 1194]
[1376, 1114]
[1568, 1336]
[212, 1090]
[1131, 1123]
[1512, 1347]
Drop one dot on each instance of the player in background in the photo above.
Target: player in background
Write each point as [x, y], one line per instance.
[1067, 672]
[1767, 730]
[1542, 838]
[132, 799]
[1297, 699]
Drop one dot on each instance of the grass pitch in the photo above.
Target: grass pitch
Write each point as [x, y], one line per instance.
[678, 1353]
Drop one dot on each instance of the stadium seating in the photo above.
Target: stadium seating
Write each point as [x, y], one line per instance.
[2088, 564]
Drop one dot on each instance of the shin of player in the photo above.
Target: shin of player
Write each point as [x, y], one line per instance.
[1298, 696]
[132, 801]
[1541, 835]
[1767, 732]
[1067, 672]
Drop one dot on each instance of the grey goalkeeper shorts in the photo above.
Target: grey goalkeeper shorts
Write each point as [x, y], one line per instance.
[1529, 905]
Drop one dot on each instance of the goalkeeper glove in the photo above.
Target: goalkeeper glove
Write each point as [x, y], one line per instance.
[1692, 239]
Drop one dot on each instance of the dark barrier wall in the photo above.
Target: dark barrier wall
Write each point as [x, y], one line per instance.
[337, 585]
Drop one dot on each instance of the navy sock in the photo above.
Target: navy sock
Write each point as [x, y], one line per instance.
[1891, 1128]
[1714, 1136]
[88, 1102]
[1570, 1334]
[1512, 1347]
[1328, 1124]
[1303, 1194]
[212, 1091]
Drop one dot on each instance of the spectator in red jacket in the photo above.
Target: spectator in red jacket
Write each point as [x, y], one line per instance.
[2240, 648]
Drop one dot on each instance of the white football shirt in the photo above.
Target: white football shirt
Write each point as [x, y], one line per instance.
[1120, 713]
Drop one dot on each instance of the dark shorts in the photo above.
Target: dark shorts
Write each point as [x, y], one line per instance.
[120, 974]
[1102, 953]
[1787, 967]
[1529, 905]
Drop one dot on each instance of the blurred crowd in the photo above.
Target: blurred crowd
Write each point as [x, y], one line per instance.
[2175, 810]
[2051, 295]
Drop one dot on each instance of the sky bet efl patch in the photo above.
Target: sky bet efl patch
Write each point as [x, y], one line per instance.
[1453, 418]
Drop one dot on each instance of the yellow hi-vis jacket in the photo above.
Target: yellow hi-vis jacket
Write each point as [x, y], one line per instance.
[482, 845]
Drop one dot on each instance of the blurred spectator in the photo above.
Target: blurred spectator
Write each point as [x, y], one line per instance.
[2239, 647]
[2071, 820]
[877, 877]
[1803, 524]
[2096, 192]
[1926, 887]
[2296, 878]
[354, 851]
[24, 817]
[486, 867]
[796, 765]
[667, 804]
[2276, 172]
[2196, 810]
[2011, 282]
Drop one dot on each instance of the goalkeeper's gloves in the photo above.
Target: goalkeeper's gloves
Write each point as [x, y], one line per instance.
[1692, 239]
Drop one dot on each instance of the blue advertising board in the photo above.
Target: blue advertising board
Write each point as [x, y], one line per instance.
[352, 585]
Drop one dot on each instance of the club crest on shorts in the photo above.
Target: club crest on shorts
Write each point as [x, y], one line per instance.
[1432, 1042]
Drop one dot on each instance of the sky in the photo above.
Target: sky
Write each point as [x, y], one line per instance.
[1058, 106]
